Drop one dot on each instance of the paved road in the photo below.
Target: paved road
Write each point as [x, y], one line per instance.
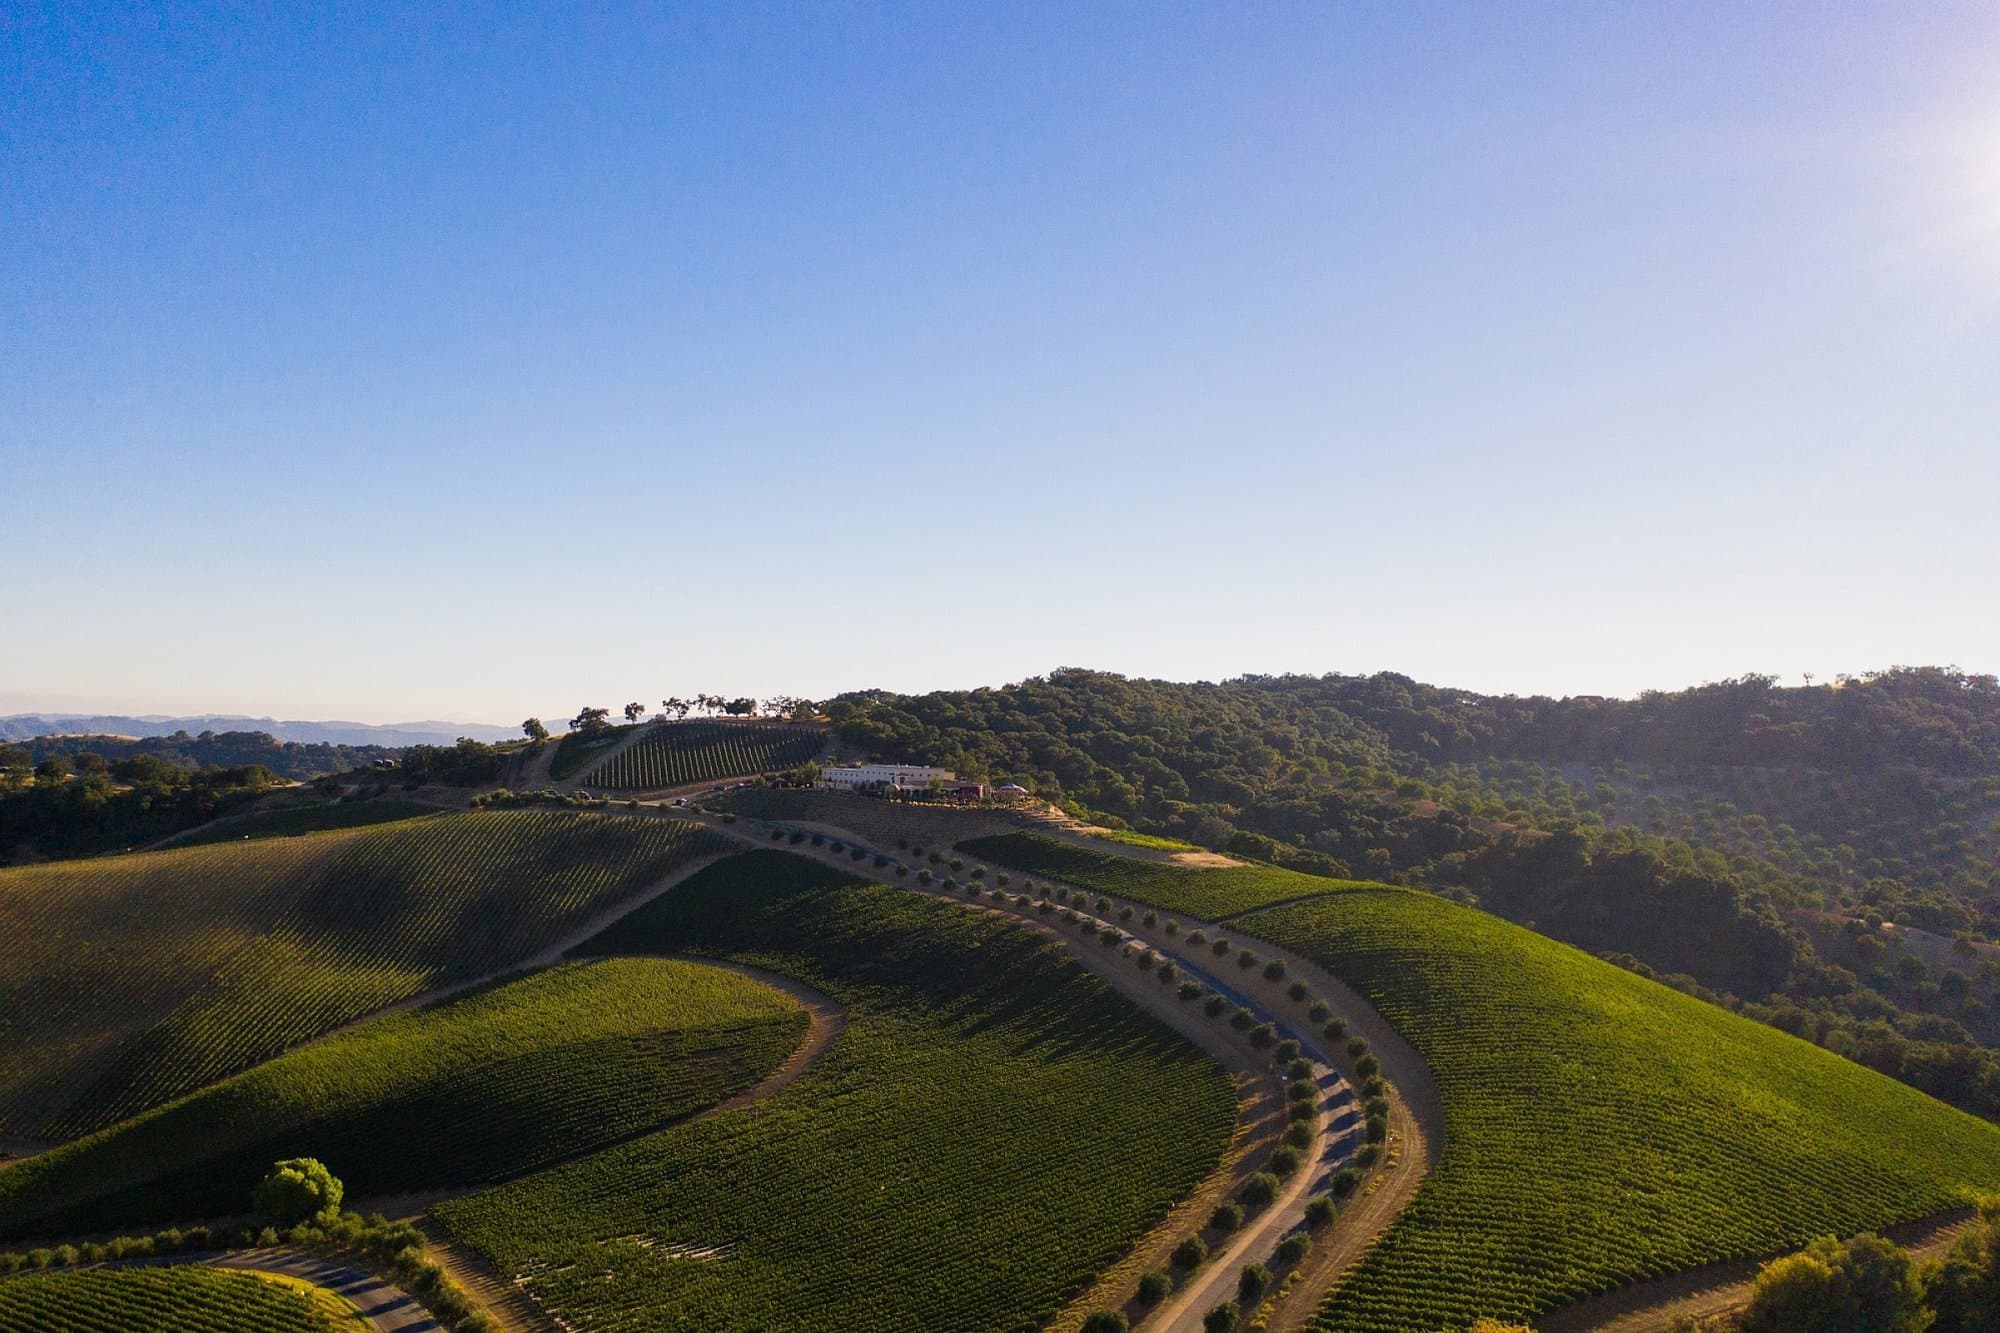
[387, 1308]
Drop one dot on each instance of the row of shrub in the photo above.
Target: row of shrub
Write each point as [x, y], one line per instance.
[392, 1249]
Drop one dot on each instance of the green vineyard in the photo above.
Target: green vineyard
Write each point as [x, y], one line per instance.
[1600, 1128]
[993, 1127]
[557, 1064]
[1211, 893]
[156, 1300]
[676, 754]
[127, 981]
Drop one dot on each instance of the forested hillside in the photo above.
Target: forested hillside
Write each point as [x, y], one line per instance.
[1827, 857]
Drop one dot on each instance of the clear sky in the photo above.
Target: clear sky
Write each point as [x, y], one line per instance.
[485, 360]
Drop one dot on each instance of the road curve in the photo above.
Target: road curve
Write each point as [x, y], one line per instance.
[1336, 1133]
[385, 1306]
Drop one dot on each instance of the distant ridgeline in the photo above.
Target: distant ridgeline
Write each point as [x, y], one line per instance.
[1740, 839]
[297, 760]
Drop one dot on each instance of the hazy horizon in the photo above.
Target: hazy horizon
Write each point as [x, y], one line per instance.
[556, 716]
[385, 366]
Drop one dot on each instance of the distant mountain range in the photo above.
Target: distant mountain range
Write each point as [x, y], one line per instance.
[26, 726]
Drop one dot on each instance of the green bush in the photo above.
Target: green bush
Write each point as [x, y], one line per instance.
[1228, 1216]
[1345, 1182]
[1258, 1190]
[1251, 1283]
[1275, 970]
[1187, 1255]
[1285, 1162]
[1335, 1029]
[296, 1189]
[1318, 1013]
[1293, 1247]
[1367, 1067]
[1105, 1321]
[1286, 1052]
[1320, 1211]
[1222, 1319]
[1298, 1135]
[1154, 1287]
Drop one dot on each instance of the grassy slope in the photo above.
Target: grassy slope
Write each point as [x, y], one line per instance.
[576, 749]
[303, 819]
[993, 1127]
[155, 1300]
[127, 981]
[1600, 1128]
[1213, 893]
[556, 1064]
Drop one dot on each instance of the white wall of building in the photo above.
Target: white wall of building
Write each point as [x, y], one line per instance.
[895, 775]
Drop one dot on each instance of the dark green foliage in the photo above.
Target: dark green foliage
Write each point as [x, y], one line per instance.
[1190, 1253]
[1105, 1321]
[1228, 1216]
[1864, 1285]
[1258, 1190]
[1251, 1283]
[1293, 1247]
[297, 1190]
[1320, 1211]
[1154, 1287]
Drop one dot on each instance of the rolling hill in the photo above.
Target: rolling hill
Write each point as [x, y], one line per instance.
[557, 1064]
[1600, 1128]
[127, 981]
[994, 1126]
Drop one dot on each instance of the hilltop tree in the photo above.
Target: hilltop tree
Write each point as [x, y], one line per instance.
[534, 730]
[590, 719]
[634, 711]
[296, 1190]
[677, 706]
[742, 707]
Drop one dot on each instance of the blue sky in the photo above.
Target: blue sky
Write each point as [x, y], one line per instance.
[490, 360]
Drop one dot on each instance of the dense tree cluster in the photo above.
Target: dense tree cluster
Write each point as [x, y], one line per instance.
[1705, 835]
[85, 804]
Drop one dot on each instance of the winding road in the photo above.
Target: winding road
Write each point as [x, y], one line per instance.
[1337, 1132]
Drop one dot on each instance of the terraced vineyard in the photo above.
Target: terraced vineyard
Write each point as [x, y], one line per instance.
[994, 1126]
[126, 981]
[1211, 893]
[555, 1065]
[155, 1300]
[674, 754]
[1600, 1128]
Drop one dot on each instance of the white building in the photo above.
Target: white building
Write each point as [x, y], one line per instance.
[889, 775]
